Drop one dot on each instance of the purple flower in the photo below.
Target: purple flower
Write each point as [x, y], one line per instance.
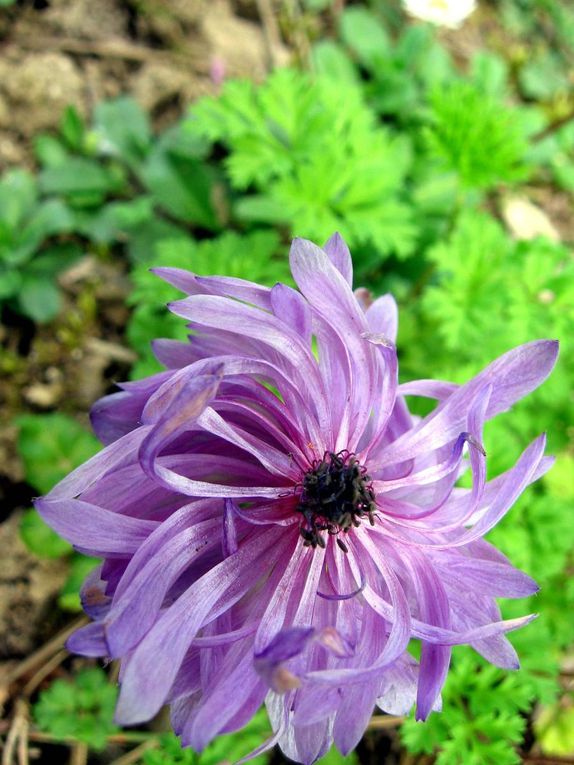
[276, 526]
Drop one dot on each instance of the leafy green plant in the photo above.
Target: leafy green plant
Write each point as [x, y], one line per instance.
[125, 185]
[81, 710]
[476, 136]
[50, 446]
[399, 71]
[480, 723]
[489, 293]
[27, 281]
[314, 157]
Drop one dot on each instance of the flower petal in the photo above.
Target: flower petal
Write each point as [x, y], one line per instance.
[339, 255]
[91, 527]
[512, 376]
[152, 667]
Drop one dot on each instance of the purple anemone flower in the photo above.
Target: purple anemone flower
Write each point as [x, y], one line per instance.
[275, 526]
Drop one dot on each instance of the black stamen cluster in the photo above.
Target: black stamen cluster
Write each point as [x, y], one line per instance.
[335, 494]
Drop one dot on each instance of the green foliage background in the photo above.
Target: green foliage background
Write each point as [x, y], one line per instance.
[410, 157]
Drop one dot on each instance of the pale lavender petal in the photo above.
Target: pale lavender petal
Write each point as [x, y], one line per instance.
[340, 257]
[153, 665]
[289, 306]
[383, 317]
[512, 376]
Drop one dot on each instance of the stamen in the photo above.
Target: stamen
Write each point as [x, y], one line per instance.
[336, 494]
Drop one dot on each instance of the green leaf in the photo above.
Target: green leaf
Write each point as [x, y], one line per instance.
[50, 150]
[334, 757]
[543, 76]
[330, 60]
[10, 282]
[184, 187]
[18, 196]
[258, 208]
[50, 261]
[39, 537]
[47, 219]
[82, 710]
[39, 299]
[317, 5]
[317, 159]
[554, 728]
[123, 130]
[51, 445]
[73, 128]
[489, 73]
[78, 175]
[364, 33]
[170, 752]
[117, 220]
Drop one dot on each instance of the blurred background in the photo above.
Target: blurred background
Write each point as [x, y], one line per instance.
[436, 135]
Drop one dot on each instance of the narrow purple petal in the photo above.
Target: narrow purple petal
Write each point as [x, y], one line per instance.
[91, 527]
[88, 641]
[289, 306]
[153, 665]
[512, 376]
[383, 317]
[340, 257]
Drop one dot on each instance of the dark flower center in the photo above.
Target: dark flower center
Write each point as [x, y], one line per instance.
[335, 494]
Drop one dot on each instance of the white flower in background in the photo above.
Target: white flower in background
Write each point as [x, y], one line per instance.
[445, 13]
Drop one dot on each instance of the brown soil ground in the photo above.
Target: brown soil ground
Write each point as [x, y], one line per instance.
[59, 52]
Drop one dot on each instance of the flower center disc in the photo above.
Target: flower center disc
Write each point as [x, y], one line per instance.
[336, 494]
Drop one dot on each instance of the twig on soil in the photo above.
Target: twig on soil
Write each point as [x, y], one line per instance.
[118, 49]
[79, 754]
[112, 351]
[17, 738]
[300, 38]
[42, 654]
[337, 8]
[135, 754]
[271, 33]
[123, 738]
[44, 671]
[384, 722]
